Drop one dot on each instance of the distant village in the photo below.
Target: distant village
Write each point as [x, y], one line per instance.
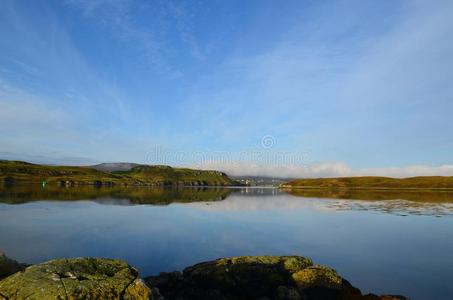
[260, 181]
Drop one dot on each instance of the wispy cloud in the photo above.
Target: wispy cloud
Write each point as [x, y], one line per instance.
[37, 131]
[339, 92]
[116, 16]
[29, 69]
[146, 26]
[183, 20]
[365, 87]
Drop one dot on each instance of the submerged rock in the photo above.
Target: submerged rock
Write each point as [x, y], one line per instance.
[77, 278]
[9, 266]
[256, 277]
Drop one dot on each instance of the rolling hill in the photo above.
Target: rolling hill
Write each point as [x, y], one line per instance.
[372, 182]
[17, 172]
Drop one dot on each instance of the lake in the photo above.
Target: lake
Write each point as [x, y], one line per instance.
[384, 242]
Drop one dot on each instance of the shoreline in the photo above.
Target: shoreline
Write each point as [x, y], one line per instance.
[363, 188]
[232, 278]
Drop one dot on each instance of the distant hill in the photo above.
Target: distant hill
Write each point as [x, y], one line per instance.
[371, 182]
[114, 167]
[13, 172]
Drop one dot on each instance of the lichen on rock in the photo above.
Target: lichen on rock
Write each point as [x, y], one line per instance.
[317, 276]
[235, 278]
[77, 278]
[256, 278]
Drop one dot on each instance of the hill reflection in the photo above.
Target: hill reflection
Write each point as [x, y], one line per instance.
[413, 202]
[411, 195]
[112, 195]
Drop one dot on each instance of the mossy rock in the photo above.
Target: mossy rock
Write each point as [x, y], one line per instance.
[255, 278]
[317, 276]
[236, 278]
[77, 278]
[247, 275]
[287, 293]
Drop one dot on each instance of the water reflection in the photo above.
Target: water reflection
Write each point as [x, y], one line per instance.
[111, 195]
[409, 202]
[362, 235]
[411, 195]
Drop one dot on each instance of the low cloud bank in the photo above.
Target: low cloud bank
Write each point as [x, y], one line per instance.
[327, 169]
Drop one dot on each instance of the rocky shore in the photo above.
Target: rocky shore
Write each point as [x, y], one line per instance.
[236, 278]
[9, 266]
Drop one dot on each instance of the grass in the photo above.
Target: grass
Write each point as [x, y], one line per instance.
[373, 182]
[18, 172]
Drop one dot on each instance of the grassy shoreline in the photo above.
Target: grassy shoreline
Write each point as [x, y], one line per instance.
[437, 183]
[18, 172]
[289, 187]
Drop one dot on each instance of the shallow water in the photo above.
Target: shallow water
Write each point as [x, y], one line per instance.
[382, 242]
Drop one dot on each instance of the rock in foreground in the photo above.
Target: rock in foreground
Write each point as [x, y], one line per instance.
[77, 278]
[9, 266]
[236, 278]
[256, 277]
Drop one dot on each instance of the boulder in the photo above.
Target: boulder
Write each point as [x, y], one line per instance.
[236, 278]
[77, 278]
[9, 266]
[256, 277]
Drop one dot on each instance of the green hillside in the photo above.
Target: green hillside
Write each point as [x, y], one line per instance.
[17, 172]
[370, 182]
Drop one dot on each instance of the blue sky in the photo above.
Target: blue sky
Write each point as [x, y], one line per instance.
[338, 87]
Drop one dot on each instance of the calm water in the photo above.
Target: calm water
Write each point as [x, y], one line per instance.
[383, 242]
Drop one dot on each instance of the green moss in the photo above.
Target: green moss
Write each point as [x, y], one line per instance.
[78, 278]
[256, 278]
[236, 278]
[294, 264]
[245, 277]
[317, 276]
